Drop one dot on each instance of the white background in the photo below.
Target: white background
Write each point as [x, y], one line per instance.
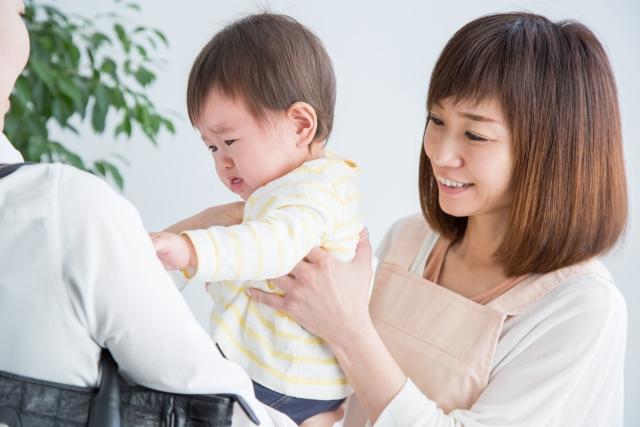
[383, 53]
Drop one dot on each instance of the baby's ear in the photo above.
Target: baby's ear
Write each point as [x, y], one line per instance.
[305, 121]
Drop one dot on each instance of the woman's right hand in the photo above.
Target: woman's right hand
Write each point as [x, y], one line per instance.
[327, 297]
[330, 299]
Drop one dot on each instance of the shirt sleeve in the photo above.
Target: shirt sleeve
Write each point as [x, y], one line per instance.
[295, 219]
[128, 303]
[572, 358]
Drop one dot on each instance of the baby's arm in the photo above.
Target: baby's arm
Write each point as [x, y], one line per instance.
[224, 215]
[269, 244]
[177, 252]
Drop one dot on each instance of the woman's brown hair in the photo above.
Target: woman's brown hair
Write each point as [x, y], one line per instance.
[554, 84]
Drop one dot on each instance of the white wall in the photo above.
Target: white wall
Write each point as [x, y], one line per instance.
[383, 53]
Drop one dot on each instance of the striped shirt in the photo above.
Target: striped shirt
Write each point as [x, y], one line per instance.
[314, 205]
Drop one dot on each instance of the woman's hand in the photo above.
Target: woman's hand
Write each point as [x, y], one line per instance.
[328, 297]
[224, 215]
[331, 299]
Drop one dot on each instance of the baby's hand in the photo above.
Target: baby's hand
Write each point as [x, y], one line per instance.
[174, 251]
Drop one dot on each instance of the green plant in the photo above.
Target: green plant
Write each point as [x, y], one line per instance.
[73, 76]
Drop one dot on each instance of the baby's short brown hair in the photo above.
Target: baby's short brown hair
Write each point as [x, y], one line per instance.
[269, 61]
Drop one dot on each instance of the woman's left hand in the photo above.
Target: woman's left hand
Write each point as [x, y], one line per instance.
[328, 297]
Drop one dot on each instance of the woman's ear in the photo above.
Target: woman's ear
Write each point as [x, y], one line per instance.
[305, 121]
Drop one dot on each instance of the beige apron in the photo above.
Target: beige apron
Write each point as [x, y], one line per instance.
[444, 342]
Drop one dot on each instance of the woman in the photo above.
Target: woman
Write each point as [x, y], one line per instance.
[491, 307]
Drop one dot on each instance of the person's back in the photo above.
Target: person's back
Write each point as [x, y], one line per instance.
[79, 274]
[41, 315]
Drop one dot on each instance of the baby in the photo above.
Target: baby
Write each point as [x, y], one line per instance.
[262, 93]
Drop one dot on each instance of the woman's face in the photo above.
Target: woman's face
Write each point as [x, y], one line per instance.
[469, 147]
[14, 50]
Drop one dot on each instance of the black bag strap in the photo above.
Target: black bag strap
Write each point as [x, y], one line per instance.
[105, 405]
[9, 168]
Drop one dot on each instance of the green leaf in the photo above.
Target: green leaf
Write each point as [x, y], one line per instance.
[36, 148]
[42, 71]
[162, 37]
[99, 166]
[102, 95]
[61, 153]
[22, 91]
[68, 88]
[169, 125]
[142, 51]
[98, 117]
[115, 174]
[73, 69]
[121, 158]
[109, 66]
[144, 76]
[124, 127]
[61, 110]
[122, 36]
[97, 39]
[117, 98]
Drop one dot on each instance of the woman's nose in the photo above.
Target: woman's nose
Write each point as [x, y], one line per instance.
[443, 152]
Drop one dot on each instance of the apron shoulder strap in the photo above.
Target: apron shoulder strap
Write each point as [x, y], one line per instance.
[407, 243]
[537, 286]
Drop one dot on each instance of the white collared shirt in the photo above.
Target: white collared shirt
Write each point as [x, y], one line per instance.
[79, 273]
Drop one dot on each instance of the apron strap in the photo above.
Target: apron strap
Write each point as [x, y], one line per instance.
[537, 286]
[412, 239]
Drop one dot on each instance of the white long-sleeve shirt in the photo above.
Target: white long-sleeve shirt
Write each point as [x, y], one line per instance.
[316, 204]
[78, 272]
[560, 363]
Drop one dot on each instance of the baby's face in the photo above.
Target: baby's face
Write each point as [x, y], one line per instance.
[247, 152]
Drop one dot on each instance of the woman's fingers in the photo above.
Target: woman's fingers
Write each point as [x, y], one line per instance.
[284, 283]
[363, 249]
[315, 255]
[274, 301]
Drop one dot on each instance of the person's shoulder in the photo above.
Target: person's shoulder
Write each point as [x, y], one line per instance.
[305, 184]
[86, 197]
[330, 171]
[587, 281]
[587, 290]
[414, 224]
[27, 193]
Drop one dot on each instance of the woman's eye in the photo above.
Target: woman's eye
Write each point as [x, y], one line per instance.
[229, 141]
[474, 137]
[213, 148]
[436, 121]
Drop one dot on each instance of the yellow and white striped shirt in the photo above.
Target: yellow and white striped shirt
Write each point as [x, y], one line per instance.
[317, 204]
